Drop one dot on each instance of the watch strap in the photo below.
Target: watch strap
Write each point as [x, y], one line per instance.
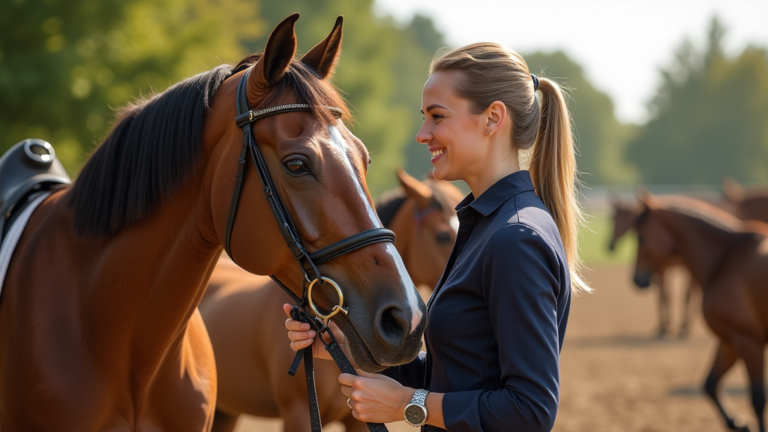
[420, 397]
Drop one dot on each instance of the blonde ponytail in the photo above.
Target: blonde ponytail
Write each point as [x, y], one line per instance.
[553, 172]
[493, 73]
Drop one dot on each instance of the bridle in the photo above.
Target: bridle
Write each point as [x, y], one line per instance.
[308, 262]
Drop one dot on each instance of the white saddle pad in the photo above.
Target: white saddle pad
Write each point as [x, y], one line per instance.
[14, 234]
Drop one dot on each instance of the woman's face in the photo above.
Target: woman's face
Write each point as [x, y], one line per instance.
[450, 130]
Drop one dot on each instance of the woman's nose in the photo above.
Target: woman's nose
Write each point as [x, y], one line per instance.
[424, 136]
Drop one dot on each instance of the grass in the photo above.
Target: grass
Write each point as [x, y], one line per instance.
[594, 240]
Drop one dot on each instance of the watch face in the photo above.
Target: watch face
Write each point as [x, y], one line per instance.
[416, 415]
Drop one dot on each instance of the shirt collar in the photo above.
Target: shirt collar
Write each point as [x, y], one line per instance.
[499, 193]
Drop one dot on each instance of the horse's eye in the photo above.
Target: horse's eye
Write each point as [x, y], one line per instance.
[296, 166]
[443, 237]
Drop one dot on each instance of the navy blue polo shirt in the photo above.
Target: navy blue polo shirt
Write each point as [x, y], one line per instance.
[497, 318]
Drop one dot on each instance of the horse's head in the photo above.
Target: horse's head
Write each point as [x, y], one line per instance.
[427, 224]
[624, 219]
[318, 169]
[655, 243]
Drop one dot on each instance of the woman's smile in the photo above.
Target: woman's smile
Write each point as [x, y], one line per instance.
[437, 153]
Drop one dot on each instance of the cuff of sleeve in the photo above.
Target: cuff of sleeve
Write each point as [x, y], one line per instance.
[460, 411]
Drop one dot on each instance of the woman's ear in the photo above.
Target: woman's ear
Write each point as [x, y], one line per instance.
[495, 115]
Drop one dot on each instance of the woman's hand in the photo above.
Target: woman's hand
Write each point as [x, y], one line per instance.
[302, 336]
[375, 398]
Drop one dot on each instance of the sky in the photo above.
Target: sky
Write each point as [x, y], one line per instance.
[621, 44]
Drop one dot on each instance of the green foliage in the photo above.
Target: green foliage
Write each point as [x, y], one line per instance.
[600, 137]
[65, 63]
[710, 117]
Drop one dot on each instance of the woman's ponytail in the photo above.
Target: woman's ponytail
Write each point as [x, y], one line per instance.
[553, 171]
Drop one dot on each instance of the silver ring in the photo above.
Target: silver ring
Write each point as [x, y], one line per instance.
[349, 403]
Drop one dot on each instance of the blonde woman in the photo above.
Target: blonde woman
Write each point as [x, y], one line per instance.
[497, 318]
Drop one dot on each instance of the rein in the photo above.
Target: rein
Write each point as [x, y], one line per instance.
[308, 262]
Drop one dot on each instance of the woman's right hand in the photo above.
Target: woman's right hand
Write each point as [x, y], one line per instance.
[302, 336]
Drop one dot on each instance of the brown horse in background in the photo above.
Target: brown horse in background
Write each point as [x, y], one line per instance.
[745, 205]
[625, 218]
[244, 317]
[729, 258]
[99, 326]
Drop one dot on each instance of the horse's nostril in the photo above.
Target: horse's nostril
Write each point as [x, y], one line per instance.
[392, 326]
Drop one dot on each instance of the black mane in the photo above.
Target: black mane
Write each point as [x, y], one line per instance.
[155, 145]
[388, 205]
[151, 149]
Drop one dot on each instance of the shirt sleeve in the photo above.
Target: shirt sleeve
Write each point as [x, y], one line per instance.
[521, 286]
[409, 374]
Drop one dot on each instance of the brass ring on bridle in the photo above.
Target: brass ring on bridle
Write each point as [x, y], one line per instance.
[336, 309]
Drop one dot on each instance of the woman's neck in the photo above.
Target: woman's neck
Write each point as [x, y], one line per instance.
[494, 167]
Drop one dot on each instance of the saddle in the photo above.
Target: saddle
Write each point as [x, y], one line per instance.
[27, 168]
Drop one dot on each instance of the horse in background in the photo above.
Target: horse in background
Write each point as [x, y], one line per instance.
[244, 317]
[729, 259]
[745, 205]
[99, 326]
[625, 217]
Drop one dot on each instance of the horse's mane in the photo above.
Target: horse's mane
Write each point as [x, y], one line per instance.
[390, 202]
[155, 145]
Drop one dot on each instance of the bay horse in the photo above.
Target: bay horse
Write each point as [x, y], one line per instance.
[244, 317]
[99, 326]
[746, 205]
[729, 259]
[625, 216]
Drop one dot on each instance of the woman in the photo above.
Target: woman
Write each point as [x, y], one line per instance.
[497, 318]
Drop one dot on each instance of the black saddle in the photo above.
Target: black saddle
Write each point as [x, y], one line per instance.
[27, 168]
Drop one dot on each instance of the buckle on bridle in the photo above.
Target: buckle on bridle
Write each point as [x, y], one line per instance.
[336, 309]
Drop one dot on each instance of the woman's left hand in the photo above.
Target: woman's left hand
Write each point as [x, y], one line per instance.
[375, 398]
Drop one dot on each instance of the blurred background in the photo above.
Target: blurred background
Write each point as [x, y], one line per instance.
[671, 95]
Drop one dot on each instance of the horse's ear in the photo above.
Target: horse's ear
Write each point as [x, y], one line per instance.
[324, 56]
[281, 47]
[416, 190]
[647, 199]
[732, 190]
[614, 200]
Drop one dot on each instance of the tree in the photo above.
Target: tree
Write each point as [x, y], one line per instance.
[64, 63]
[708, 117]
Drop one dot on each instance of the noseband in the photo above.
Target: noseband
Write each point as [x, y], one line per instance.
[308, 262]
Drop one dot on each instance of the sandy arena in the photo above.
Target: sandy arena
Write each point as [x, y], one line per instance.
[615, 375]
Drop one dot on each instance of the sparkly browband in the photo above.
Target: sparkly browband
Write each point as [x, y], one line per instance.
[253, 115]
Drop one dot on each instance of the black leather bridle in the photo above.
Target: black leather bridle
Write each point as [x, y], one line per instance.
[308, 262]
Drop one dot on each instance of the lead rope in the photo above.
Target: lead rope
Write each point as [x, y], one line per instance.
[338, 356]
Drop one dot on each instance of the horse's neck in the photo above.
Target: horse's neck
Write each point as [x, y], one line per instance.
[701, 245]
[150, 277]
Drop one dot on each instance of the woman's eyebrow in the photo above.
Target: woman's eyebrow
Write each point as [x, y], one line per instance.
[433, 106]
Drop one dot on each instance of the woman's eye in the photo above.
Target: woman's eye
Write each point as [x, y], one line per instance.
[296, 166]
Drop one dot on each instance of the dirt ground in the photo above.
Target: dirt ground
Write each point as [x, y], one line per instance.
[615, 375]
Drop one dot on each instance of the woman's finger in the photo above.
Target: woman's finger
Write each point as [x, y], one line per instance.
[346, 391]
[291, 324]
[301, 335]
[299, 345]
[347, 379]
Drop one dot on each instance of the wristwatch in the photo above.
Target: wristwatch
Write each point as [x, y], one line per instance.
[416, 412]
